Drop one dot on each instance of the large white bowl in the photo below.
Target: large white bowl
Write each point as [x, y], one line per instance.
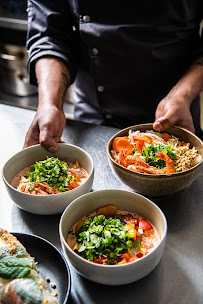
[46, 204]
[124, 200]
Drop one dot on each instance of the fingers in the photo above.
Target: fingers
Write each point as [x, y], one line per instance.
[48, 141]
[46, 129]
[32, 136]
[167, 121]
[51, 131]
[173, 111]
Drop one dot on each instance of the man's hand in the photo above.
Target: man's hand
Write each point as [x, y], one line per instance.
[48, 124]
[173, 111]
[46, 128]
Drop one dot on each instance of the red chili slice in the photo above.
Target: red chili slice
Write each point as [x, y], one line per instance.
[139, 255]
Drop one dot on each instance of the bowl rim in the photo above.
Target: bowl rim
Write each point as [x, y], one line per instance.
[147, 175]
[163, 239]
[44, 197]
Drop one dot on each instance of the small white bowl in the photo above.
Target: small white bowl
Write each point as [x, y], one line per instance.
[124, 200]
[46, 204]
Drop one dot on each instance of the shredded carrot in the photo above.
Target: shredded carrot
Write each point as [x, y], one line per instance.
[75, 175]
[77, 164]
[166, 136]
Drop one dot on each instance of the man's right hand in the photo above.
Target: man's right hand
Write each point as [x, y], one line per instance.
[48, 124]
[46, 128]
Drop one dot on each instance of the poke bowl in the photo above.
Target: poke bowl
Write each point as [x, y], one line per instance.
[44, 183]
[178, 155]
[114, 265]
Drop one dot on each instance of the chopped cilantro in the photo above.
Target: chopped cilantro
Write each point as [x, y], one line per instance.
[134, 150]
[150, 150]
[52, 171]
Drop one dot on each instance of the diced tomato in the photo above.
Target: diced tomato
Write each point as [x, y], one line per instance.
[128, 218]
[144, 224]
[139, 255]
[100, 260]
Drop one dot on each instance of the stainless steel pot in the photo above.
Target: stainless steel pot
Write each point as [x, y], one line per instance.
[13, 71]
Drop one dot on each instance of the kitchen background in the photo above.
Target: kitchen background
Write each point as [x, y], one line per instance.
[15, 89]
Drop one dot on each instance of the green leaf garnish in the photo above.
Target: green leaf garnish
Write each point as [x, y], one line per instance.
[52, 171]
[99, 236]
[13, 267]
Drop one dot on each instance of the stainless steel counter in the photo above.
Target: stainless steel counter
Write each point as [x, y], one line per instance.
[178, 277]
[31, 102]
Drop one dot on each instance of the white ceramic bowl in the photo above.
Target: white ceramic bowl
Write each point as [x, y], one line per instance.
[124, 200]
[46, 204]
[157, 185]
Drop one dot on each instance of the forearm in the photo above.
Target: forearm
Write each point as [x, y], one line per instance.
[191, 83]
[53, 80]
[174, 109]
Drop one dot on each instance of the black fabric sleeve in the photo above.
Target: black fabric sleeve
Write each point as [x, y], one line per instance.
[50, 33]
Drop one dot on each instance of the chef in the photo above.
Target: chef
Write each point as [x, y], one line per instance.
[130, 62]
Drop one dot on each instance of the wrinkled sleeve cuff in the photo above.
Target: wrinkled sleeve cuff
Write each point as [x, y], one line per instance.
[48, 47]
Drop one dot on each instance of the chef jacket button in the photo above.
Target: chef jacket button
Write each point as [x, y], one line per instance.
[100, 88]
[95, 51]
[86, 18]
[109, 115]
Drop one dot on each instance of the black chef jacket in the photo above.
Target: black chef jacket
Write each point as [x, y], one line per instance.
[124, 57]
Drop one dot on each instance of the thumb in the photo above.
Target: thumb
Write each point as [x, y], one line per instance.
[163, 123]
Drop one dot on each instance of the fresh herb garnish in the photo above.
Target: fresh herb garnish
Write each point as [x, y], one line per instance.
[150, 150]
[99, 236]
[52, 171]
[134, 150]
